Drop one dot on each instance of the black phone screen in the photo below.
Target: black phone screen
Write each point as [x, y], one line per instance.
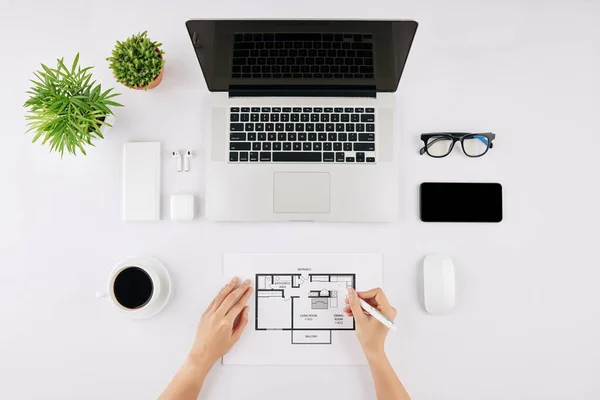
[461, 202]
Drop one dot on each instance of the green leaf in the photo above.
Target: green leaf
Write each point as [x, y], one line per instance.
[75, 63]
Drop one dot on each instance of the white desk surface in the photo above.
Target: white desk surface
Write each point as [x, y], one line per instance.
[526, 324]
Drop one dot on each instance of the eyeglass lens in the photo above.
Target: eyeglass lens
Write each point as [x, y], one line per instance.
[475, 145]
[439, 146]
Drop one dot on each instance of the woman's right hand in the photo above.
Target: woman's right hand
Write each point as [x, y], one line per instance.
[370, 332]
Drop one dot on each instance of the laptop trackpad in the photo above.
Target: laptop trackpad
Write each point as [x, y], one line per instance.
[301, 192]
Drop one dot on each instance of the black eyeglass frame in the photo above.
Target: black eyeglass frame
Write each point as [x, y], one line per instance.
[455, 137]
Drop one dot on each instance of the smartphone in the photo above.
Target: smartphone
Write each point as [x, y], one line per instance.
[461, 202]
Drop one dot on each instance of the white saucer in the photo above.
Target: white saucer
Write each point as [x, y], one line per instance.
[156, 270]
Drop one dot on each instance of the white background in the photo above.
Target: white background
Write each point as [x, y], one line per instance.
[527, 319]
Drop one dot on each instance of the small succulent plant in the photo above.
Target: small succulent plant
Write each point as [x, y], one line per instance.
[67, 108]
[137, 61]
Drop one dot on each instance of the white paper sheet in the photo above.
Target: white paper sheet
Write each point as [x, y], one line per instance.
[300, 300]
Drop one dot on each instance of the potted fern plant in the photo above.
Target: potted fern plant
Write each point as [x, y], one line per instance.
[138, 62]
[67, 109]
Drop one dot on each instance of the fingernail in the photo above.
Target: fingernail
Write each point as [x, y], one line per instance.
[247, 282]
[235, 279]
[351, 292]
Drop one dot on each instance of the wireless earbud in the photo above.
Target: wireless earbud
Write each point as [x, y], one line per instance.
[177, 156]
[186, 160]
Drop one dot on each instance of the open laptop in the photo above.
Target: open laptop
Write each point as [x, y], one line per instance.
[302, 126]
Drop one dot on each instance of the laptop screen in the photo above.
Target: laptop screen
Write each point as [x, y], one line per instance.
[298, 53]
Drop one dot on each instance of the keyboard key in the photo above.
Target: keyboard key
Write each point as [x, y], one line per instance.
[281, 136]
[236, 127]
[354, 118]
[339, 127]
[370, 127]
[262, 136]
[327, 146]
[332, 137]
[277, 146]
[337, 146]
[297, 146]
[306, 146]
[349, 127]
[335, 118]
[338, 110]
[322, 136]
[339, 157]
[320, 127]
[276, 109]
[297, 109]
[289, 127]
[279, 127]
[367, 118]
[304, 117]
[254, 117]
[235, 109]
[237, 137]
[317, 146]
[314, 117]
[244, 156]
[265, 109]
[370, 159]
[287, 146]
[352, 137]
[233, 156]
[285, 117]
[364, 146]
[255, 109]
[345, 118]
[299, 127]
[265, 156]
[307, 109]
[259, 126]
[324, 117]
[271, 136]
[239, 146]
[266, 146]
[349, 159]
[327, 110]
[342, 136]
[256, 146]
[366, 137]
[359, 110]
[251, 136]
[310, 127]
[317, 109]
[292, 136]
[253, 156]
[329, 127]
[360, 157]
[302, 136]
[269, 127]
[296, 157]
[295, 117]
[348, 110]
[245, 117]
[287, 109]
[360, 127]
[234, 117]
[274, 117]
[328, 157]
[312, 136]
[347, 146]
[249, 127]
[370, 110]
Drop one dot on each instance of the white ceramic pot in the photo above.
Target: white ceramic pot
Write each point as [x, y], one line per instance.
[161, 283]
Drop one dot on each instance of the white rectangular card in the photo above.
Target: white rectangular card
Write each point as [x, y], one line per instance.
[141, 181]
[296, 311]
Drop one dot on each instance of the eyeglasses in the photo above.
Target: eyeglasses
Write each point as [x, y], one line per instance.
[440, 144]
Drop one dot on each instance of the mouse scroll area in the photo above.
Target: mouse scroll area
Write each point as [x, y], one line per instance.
[438, 284]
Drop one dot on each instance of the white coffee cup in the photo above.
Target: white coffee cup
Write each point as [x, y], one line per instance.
[161, 286]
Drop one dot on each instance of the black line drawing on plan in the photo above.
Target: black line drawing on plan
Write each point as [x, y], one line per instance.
[310, 306]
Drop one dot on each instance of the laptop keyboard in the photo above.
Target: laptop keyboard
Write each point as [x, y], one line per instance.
[303, 55]
[302, 134]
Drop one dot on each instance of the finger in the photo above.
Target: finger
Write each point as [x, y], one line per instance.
[375, 294]
[233, 298]
[214, 305]
[357, 311]
[239, 328]
[348, 311]
[237, 308]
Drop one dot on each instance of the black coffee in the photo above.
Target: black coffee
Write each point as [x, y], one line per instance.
[133, 287]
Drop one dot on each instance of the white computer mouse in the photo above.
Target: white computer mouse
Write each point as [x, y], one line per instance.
[438, 284]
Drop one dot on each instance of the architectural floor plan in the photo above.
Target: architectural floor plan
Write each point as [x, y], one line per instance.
[310, 306]
[296, 314]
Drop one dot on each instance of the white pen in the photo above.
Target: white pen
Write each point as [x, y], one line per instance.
[376, 314]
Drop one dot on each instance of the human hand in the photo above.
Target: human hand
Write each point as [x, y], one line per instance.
[370, 332]
[221, 324]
